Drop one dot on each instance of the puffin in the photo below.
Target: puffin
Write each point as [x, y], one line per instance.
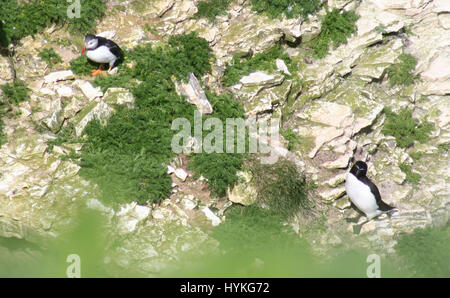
[364, 195]
[101, 50]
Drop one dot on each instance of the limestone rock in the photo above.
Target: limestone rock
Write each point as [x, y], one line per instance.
[58, 76]
[107, 34]
[194, 94]
[65, 91]
[130, 215]
[243, 192]
[6, 71]
[259, 78]
[281, 66]
[330, 195]
[328, 113]
[88, 90]
[215, 220]
[181, 174]
[188, 203]
[54, 120]
[94, 110]
[119, 96]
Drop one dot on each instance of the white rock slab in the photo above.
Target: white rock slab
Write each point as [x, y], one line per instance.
[65, 91]
[58, 76]
[215, 220]
[194, 94]
[107, 34]
[88, 90]
[181, 174]
[281, 66]
[257, 78]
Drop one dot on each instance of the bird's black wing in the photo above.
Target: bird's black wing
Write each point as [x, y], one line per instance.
[112, 46]
[374, 189]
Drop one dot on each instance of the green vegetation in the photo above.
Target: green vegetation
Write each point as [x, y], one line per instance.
[411, 177]
[402, 73]
[281, 187]
[209, 9]
[188, 53]
[82, 65]
[287, 8]
[21, 19]
[50, 56]
[405, 128]
[444, 147]
[14, 94]
[336, 27]
[291, 137]
[425, 251]
[128, 157]
[253, 230]
[239, 67]
[219, 168]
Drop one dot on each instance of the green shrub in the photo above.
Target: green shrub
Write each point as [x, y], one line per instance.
[281, 187]
[189, 53]
[336, 27]
[402, 73]
[411, 177]
[23, 19]
[444, 147]
[292, 138]
[239, 67]
[219, 168]
[405, 128]
[50, 56]
[288, 8]
[16, 92]
[91, 11]
[209, 9]
[425, 251]
[82, 65]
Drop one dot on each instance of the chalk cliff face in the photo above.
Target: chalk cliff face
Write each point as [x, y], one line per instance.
[335, 106]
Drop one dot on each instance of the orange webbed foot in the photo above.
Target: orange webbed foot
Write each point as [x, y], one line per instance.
[96, 72]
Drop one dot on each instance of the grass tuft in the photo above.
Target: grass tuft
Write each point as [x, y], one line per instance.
[336, 27]
[405, 128]
[209, 9]
[281, 187]
[402, 73]
[50, 56]
[286, 8]
[411, 177]
[239, 67]
[23, 18]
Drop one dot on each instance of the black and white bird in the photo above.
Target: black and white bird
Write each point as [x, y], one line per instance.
[101, 50]
[364, 194]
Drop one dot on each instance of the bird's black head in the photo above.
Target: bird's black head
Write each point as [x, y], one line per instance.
[359, 169]
[89, 37]
[90, 42]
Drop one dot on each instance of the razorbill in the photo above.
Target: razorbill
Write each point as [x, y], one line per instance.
[101, 50]
[364, 194]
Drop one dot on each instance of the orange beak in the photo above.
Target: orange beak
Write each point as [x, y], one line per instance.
[82, 51]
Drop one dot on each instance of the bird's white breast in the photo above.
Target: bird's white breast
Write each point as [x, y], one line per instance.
[360, 195]
[101, 55]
